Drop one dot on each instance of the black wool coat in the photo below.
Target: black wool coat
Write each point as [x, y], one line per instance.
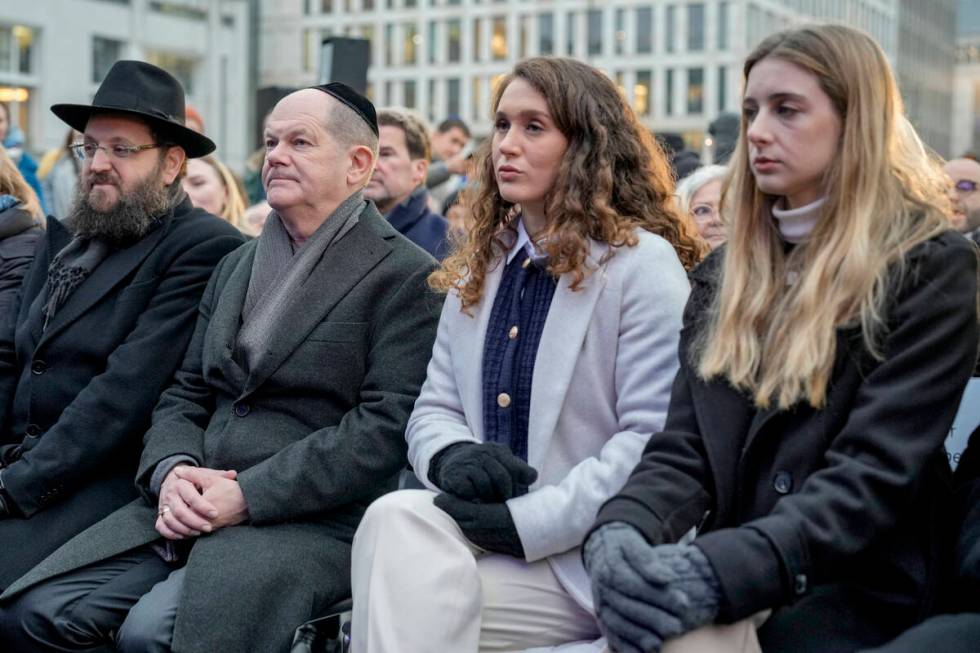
[76, 399]
[848, 499]
[316, 432]
[18, 236]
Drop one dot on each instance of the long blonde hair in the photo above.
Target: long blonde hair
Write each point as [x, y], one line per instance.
[777, 340]
[612, 180]
[13, 183]
[233, 209]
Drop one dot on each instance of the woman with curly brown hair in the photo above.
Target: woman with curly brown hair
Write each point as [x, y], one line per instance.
[552, 366]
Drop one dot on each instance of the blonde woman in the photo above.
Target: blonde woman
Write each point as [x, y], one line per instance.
[823, 356]
[21, 223]
[213, 187]
[699, 196]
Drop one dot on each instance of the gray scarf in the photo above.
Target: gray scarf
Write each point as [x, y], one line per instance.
[69, 268]
[279, 272]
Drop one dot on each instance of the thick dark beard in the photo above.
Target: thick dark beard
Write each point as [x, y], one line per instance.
[133, 216]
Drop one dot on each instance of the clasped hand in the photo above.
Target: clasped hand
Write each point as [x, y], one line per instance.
[195, 500]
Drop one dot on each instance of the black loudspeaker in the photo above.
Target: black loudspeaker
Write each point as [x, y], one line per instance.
[345, 60]
[266, 98]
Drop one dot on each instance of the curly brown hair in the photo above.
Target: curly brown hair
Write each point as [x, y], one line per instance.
[613, 179]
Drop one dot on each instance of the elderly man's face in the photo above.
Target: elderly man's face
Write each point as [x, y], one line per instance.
[965, 193]
[305, 167]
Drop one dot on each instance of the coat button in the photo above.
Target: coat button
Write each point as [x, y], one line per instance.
[783, 482]
[512, 334]
[33, 430]
[242, 409]
[799, 584]
[39, 367]
[503, 400]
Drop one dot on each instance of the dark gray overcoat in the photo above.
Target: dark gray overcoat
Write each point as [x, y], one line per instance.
[316, 432]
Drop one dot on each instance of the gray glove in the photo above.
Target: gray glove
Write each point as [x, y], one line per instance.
[487, 472]
[645, 595]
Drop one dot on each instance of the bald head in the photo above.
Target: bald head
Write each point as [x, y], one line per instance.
[316, 157]
[965, 175]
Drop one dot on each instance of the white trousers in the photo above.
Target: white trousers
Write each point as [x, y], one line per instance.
[420, 586]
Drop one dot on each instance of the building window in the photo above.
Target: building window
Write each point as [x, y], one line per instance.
[722, 87]
[389, 45]
[326, 6]
[367, 5]
[669, 92]
[452, 91]
[643, 92]
[620, 31]
[477, 97]
[695, 90]
[105, 52]
[522, 22]
[412, 40]
[17, 49]
[409, 99]
[644, 30]
[433, 41]
[695, 27]
[722, 25]
[595, 31]
[434, 110]
[570, 34]
[498, 41]
[546, 34]
[477, 39]
[180, 67]
[454, 32]
[671, 28]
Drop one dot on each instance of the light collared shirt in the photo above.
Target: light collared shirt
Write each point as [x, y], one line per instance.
[524, 240]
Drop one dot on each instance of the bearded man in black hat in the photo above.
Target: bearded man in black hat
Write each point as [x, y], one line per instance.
[105, 314]
[285, 421]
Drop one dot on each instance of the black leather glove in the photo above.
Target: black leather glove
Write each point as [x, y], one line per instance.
[645, 595]
[487, 525]
[487, 472]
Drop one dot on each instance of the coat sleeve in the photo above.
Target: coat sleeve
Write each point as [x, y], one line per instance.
[108, 406]
[182, 414]
[899, 418]
[438, 419]
[16, 256]
[554, 518]
[669, 491]
[336, 465]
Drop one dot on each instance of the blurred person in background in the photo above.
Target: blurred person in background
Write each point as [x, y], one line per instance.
[699, 196]
[12, 138]
[58, 172]
[724, 135]
[449, 161]
[397, 187]
[193, 119]
[965, 195]
[21, 223]
[213, 187]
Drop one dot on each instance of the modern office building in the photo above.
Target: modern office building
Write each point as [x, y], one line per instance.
[966, 96]
[678, 61]
[58, 51]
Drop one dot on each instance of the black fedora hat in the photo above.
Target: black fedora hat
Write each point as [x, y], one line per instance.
[141, 89]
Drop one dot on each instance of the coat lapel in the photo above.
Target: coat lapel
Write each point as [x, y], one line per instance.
[345, 263]
[227, 313]
[558, 352]
[105, 277]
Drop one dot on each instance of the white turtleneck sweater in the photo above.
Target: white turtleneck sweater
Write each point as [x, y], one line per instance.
[795, 225]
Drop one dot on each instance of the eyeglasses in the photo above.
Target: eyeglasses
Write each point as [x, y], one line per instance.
[87, 150]
[965, 185]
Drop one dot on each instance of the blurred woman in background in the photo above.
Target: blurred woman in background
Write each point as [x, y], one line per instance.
[21, 223]
[213, 187]
[699, 196]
